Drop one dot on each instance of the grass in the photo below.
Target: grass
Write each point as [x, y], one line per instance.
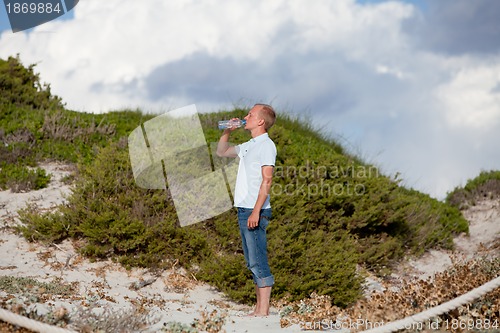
[484, 186]
[34, 288]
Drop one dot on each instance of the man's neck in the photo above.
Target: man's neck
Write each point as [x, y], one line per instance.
[257, 131]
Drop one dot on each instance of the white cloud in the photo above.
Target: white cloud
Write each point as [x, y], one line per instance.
[469, 98]
[383, 69]
[116, 42]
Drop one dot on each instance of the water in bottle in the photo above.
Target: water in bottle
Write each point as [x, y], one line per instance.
[223, 124]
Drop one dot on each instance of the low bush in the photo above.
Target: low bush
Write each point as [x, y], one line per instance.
[484, 186]
[21, 178]
[20, 86]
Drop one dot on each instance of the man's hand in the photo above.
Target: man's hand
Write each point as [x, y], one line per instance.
[232, 128]
[223, 148]
[253, 220]
[265, 187]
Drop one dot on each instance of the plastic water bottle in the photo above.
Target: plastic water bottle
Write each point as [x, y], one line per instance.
[223, 124]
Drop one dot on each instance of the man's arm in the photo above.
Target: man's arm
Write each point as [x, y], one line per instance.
[223, 147]
[265, 189]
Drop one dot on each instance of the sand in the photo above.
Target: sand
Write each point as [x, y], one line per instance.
[174, 295]
[483, 240]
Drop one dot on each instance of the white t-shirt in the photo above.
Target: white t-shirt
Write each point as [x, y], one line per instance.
[253, 154]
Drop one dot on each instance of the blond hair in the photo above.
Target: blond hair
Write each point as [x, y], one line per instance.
[267, 113]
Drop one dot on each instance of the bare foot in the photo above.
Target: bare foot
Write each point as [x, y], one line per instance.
[256, 314]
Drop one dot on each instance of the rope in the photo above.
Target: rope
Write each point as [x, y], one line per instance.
[438, 310]
[30, 324]
[36, 326]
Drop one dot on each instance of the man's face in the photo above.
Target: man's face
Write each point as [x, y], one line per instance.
[253, 118]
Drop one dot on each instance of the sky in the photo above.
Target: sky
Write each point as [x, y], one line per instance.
[410, 86]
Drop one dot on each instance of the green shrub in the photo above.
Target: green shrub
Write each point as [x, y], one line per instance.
[484, 186]
[20, 86]
[46, 227]
[22, 179]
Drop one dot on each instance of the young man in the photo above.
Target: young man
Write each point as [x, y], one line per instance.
[251, 197]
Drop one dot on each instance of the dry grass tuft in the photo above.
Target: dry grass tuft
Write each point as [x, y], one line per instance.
[210, 322]
[90, 319]
[61, 126]
[178, 283]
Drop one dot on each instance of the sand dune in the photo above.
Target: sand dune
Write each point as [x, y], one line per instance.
[172, 295]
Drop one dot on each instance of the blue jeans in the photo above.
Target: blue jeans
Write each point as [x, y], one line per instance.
[255, 246]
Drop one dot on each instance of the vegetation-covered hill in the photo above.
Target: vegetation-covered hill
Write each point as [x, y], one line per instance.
[332, 212]
[484, 186]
